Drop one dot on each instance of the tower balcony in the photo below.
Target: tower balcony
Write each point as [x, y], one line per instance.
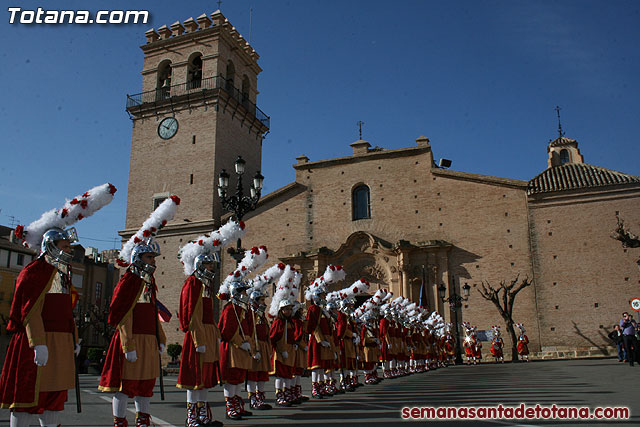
[194, 91]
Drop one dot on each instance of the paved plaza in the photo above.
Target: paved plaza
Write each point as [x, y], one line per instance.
[592, 383]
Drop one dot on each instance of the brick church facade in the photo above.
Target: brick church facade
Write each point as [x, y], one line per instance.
[391, 216]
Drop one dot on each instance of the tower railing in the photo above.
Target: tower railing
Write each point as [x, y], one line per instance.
[197, 89]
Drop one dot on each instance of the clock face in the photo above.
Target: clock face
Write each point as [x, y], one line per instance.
[168, 128]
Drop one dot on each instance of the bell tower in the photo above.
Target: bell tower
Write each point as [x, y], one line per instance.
[196, 113]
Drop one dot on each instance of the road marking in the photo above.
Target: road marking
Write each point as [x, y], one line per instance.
[158, 421]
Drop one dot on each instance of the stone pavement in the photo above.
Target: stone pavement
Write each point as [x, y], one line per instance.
[597, 382]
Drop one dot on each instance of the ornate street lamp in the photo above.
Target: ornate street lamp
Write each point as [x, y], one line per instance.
[238, 203]
[455, 302]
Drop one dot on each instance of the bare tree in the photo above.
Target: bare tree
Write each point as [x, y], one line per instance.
[504, 298]
[628, 239]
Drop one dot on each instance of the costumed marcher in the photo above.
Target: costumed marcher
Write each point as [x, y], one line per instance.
[302, 341]
[496, 344]
[346, 336]
[39, 366]
[258, 375]
[282, 336]
[199, 364]
[469, 343]
[370, 343]
[321, 349]
[132, 363]
[386, 337]
[523, 342]
[237, 348]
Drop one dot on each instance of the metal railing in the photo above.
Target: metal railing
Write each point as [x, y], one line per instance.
[197, 89]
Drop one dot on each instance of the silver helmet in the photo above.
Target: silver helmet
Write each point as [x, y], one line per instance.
[296, 306]
[238, 295]
[318, 296]
[53, 235]
[346, 305]
[147, 247]
[200, 270]
[254, 298]
[285, 303]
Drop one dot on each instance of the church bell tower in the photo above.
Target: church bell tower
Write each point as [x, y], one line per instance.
[195, 115]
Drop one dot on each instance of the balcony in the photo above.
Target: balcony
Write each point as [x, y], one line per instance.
[192, 91]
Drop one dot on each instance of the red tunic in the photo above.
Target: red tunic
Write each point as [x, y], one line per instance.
[386, 337]
[194, 372]
[126, 302]
[234, 362]
[281, 367]
[19, 387]
[523, 348]
[344, 335]
[260, 369]
[302, 341]
[318, 357]
[496, 347]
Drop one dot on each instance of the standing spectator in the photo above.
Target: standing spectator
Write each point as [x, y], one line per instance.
[629, 327]
[616, 337]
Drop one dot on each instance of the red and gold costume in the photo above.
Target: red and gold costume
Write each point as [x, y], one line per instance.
[259, 370]
[234, 361]
[41, 314]
[387, 339]
[282, 336]
[523, 348]
[344, 336]
[301, 338]
[319, 329]
[369, 337]
[198, 370]
[496, 347]
[133, 312]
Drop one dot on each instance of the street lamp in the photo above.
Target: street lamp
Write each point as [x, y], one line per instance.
[238, 203]
[455, 302]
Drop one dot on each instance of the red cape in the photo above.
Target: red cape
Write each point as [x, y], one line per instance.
[19, 373]
[125, 297]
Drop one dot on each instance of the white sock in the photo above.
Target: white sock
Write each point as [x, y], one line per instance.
[252, 387]
[20, 419]
[261, 385]
[49, 418]
[119, 404]
[191, 396]
[143, 404]
[279, 383]
[201, 395]
[298, 380]
[229, 390]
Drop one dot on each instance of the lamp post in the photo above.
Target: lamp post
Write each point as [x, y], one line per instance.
[238, 203]
[455, 302]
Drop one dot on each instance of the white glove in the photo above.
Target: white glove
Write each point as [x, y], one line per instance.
[41, 355]
[325, 343]
[77, 350]
[335, 356]
[245, 346]
[219, 341]
[201, 349]
[390, 346]
[295, 346]
[161, 348]
[285, 355]
[356, 340]
[306, 348]
[377, 341]
[257, 356]
[131, 356]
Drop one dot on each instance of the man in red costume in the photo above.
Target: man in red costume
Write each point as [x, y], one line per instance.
[320, 354]
[347, 340]
[282, 336]
[39, 366]
[301, 340]
[236, 351]
[199, 365]
[132, 363]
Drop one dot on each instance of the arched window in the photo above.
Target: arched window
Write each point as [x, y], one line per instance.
[229, 77]
[564, 156]
[246, 87]
[194, 71]
[360, 202]
[163, 85]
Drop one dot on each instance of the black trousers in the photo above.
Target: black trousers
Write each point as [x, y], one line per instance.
[631, 345]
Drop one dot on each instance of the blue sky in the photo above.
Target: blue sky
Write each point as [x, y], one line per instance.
[480, 79]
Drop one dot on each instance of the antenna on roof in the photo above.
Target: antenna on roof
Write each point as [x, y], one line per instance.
[220, 5]
[360, 123]
[250, 20]
[560, 132]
